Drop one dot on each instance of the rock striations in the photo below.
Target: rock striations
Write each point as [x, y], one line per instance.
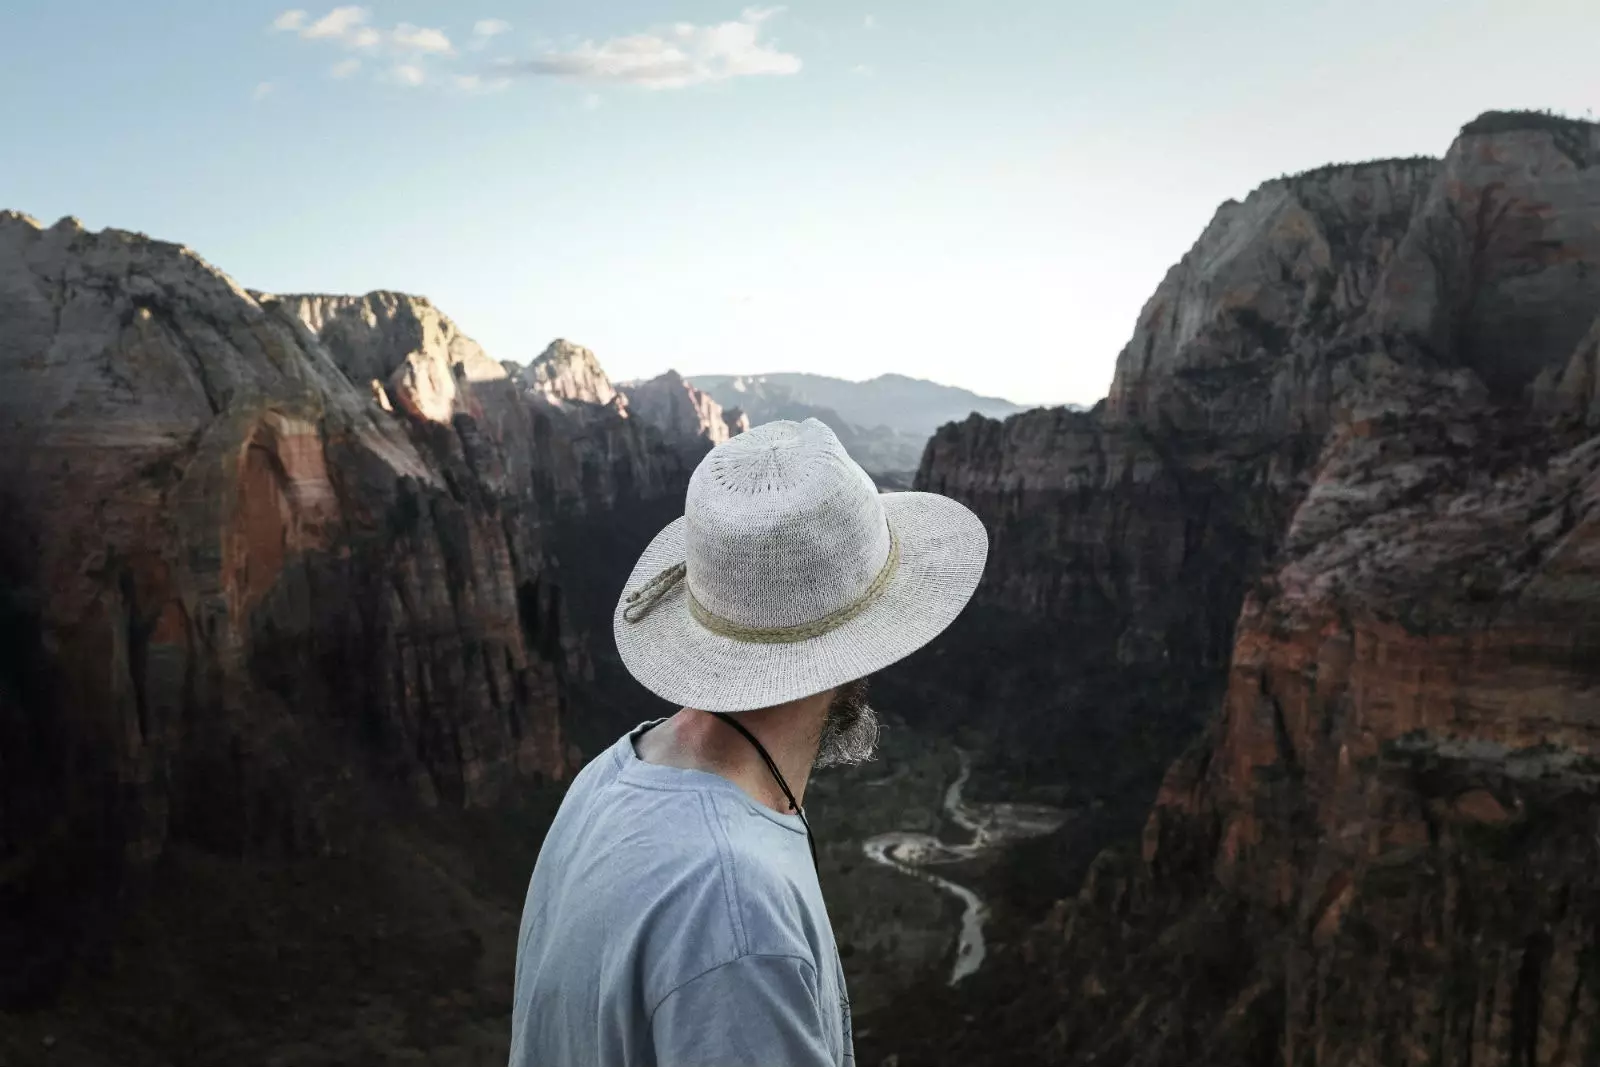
[1346, 487]
[265, 559]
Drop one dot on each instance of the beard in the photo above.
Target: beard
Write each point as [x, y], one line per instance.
[850, 729]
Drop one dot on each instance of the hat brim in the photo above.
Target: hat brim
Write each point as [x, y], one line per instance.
[943, 547]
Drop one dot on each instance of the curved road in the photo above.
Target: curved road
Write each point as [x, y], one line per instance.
[991, 826]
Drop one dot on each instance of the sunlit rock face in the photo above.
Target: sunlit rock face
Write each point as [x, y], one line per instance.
[679, 410]
[1234, 339]
[566, 374]
[1346, 489]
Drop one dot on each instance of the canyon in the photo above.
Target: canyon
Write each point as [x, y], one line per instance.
[278, 581]
[306, 601]
[1284, 669]
[992, 826]
[1345, 492]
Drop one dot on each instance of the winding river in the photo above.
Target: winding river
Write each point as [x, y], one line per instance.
[991, 826]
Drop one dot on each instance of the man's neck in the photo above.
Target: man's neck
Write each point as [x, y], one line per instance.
[790, 733]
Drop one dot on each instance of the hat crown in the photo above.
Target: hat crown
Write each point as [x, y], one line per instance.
[782, 527]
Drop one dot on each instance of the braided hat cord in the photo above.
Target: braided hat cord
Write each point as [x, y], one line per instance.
[643, 599]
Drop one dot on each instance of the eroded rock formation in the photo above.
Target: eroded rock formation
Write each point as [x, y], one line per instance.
[1382, 850]
[1347, 485]
[566, 373]
[678, 409]
[264, 559]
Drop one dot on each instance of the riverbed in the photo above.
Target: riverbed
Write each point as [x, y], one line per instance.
[992, 826]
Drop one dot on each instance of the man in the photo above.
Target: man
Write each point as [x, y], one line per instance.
[674, 917]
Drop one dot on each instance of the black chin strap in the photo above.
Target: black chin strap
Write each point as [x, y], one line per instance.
[777, 774]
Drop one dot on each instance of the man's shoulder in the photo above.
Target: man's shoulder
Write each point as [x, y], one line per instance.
[769, 869]
[692, 853]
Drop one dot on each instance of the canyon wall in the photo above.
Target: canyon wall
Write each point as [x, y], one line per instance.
[1378, 847]
[1124, 537]
[679, 408]
[266, 560]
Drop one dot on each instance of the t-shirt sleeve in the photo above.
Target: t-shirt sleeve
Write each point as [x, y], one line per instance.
[756, 1011]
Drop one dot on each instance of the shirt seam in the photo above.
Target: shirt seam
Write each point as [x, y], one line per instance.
[729, 882]
[807, 964]
[700, 790]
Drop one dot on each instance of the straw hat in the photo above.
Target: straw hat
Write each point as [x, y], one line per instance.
[789, 574]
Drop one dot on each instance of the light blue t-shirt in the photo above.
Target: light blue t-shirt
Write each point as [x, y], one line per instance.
[672, 921]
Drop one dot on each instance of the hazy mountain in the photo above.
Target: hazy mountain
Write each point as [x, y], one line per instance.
[910, 405]
[884, 422]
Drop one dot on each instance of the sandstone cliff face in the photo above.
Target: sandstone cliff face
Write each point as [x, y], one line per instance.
[1496, 272]
[415, 354]
[244, 589]
[565, 373]
[1123, 538]
[1381, 849]
[1095, 643]
[1128, 533]
[1469, 260]
[1235, 338]
[678, 409]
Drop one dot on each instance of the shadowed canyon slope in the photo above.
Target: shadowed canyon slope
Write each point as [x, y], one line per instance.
[269, 564]
[1345, 497]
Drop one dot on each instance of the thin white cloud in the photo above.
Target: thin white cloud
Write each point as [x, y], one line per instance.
[670, 58]
[862, 69]
[422, 39]
[405, 54]
[262, 91]
[339, 24]
[870, 22]
[591, 102]
[346, 26]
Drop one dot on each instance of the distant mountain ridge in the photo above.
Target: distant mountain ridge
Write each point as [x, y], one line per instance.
[884, 422]
[911, 405]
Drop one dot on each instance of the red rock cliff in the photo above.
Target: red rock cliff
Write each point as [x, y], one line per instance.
[261, 556]
[1380, 850]
[679, 409]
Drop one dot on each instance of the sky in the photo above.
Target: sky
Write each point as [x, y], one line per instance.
[982, 192]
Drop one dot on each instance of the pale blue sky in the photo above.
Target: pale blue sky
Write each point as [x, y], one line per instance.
[982, 193]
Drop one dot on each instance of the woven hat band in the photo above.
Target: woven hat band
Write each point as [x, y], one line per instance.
[647, 596]
[783, 635]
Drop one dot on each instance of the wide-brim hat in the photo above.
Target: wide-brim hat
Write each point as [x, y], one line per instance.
[789, 574]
